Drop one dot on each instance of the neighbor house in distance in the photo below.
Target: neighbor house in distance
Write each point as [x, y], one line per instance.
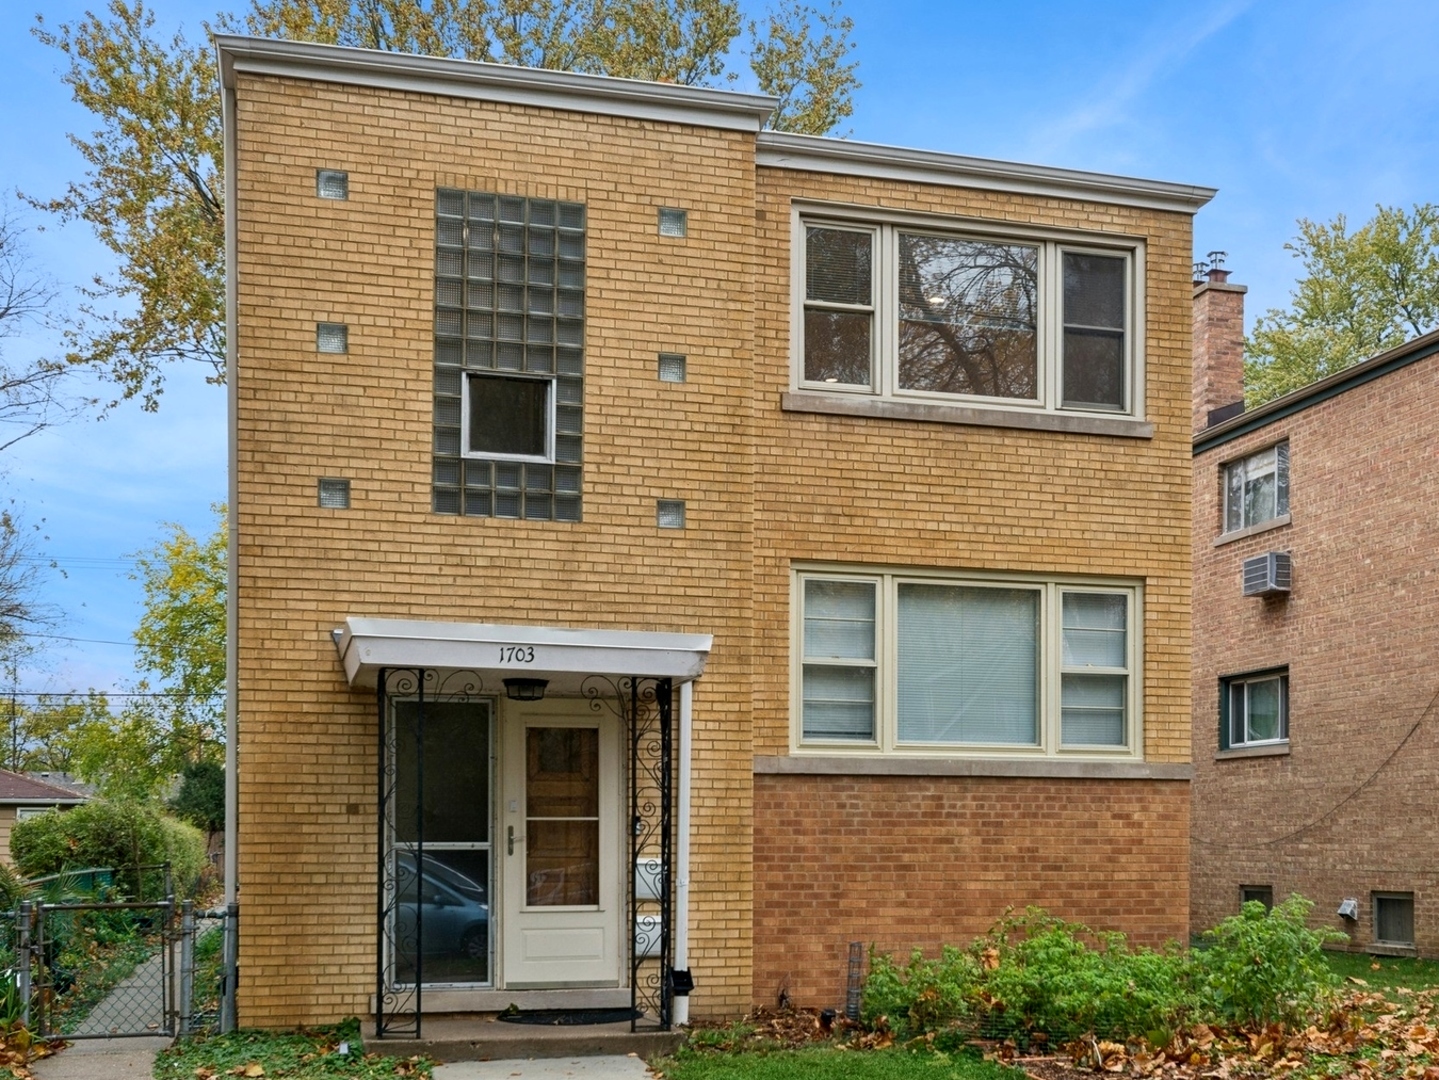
[1316, 619]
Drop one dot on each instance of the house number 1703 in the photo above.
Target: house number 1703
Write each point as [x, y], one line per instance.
[517, 654]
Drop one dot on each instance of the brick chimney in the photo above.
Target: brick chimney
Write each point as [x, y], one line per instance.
[1218, 346]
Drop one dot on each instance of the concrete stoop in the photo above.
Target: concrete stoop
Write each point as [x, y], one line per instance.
[483, 1038]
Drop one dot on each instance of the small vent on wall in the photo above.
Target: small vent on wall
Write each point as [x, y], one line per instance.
[1269, 574]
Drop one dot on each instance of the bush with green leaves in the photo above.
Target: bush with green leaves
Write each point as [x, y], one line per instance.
[1034, 974]
[1265, 967]
[121, 835]
[922, 996]
[1043, 974]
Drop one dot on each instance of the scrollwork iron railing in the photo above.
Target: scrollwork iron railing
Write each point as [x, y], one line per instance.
[647, 707]
[399, 954]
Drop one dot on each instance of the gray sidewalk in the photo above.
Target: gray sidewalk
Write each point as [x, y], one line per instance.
[103, 1059]
[606, 1067]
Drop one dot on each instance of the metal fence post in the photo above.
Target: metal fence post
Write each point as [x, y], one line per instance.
[22, 953]
[187, 964]
[232, 968]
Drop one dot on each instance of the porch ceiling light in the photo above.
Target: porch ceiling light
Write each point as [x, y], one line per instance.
[525, 689]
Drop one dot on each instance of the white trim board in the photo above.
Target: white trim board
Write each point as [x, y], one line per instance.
[507, 83]
[810, 153]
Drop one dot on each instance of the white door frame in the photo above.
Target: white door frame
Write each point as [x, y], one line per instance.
[560, 946]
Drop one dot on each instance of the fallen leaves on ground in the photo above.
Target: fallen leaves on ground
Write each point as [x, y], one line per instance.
[1368, 1036]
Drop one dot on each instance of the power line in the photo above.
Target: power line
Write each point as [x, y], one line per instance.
[106, 693]
[62, 637]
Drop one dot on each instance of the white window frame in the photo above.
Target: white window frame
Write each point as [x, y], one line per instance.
[551, 393]
[1053, 244]
[1229, 682]
[1050, 659]
[1280, 450]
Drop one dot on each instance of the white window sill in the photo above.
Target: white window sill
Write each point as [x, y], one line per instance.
[894, 765]
[1266, 750]
[1253, 530]
[811, 401]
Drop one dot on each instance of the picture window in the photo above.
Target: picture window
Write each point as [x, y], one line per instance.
[916, 312]
[903, 662]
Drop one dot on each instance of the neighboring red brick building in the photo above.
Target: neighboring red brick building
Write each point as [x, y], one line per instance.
[1316, 710]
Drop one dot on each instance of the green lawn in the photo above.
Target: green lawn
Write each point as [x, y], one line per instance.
[826, 1063]
[1386, 972]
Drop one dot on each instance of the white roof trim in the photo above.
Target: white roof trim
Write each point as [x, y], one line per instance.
[507, 83]
[561, 655]
[782, 150]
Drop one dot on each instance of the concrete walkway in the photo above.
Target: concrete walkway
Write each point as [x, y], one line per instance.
[606, 1067]
[103, 1059]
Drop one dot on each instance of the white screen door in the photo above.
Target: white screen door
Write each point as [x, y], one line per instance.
[561, 846]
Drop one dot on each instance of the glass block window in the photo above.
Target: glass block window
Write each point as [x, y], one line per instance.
[671, 367]
[670, 513]
[674, 223]
[334, 493]
[332, 337]
[332, 184]
[509, 356]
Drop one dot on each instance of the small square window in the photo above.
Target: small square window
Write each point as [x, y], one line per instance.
[672, 367]
[332, 184]
[1254, 710]
[670, 514]
[674, 223]
[332, 337]
[509, 416]
[1260, 894]
[1394, 919]
[1256, 488]
[334, 493]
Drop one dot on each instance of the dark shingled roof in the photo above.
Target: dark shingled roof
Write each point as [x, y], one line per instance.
[16, 788]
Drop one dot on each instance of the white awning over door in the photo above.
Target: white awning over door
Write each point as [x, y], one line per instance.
[563, 656]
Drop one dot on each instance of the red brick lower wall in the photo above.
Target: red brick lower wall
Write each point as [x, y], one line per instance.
[907, 861]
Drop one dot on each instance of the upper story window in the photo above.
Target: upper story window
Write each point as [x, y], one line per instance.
[1254, 710]
[901, 662]
[928, 314]
[509, 359]
[1256, 488]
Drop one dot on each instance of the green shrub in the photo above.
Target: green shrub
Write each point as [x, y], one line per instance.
[120, 835]
[1043, 976]
[926, 995]
[1037, 974]
[1265, 967]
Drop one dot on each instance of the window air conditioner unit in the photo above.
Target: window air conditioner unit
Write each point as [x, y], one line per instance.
[1268, 574]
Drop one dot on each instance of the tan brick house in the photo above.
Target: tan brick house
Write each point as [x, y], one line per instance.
[665, 544]
[1316, 745]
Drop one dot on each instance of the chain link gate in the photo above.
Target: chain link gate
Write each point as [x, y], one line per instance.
[93, 969]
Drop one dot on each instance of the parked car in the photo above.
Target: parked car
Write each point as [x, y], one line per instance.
[454, 911]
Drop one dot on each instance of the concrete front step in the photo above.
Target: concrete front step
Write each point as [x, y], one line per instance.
[483, 1038]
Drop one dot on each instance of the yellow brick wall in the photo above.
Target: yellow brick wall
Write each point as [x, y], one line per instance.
[307, 743]
[993, 499]
[988, 499]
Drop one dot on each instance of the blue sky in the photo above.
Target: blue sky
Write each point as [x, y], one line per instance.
[1291, 108]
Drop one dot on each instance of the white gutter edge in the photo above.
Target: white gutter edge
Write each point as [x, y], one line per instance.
[232, 554]
[682, 855]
